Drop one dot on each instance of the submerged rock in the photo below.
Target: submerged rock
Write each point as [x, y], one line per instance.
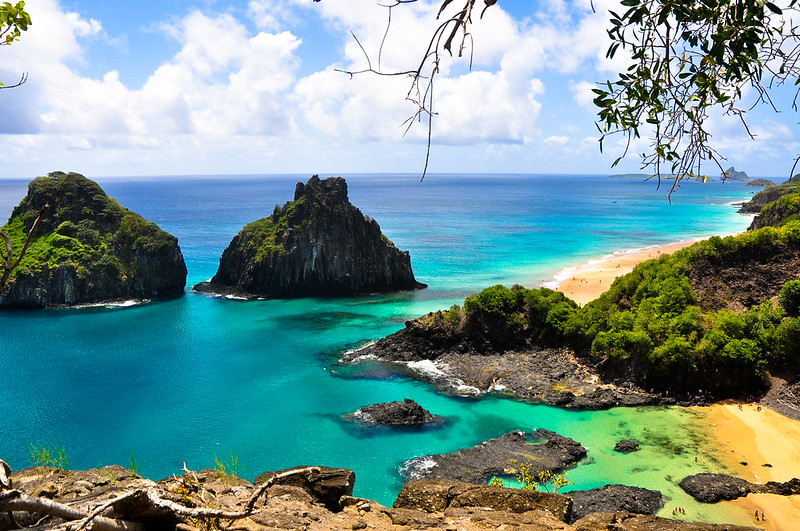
[316, 245]
[87, 249]
[406, 413]
[626, 446]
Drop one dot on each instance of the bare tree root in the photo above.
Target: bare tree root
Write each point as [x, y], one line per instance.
[137, 504]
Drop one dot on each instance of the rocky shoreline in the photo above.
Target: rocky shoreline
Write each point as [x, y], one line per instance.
[555, 377]
[313, 498]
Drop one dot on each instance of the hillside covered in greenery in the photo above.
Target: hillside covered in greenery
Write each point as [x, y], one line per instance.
[87, 248]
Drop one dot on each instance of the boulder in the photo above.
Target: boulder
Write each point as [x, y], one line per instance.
[613, 498]
[406, 413]
[711, 488]
[316, 245]
[325, 485]
[87, 249]
[437, 496]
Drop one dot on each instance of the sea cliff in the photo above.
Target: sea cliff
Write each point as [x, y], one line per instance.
[315, 245]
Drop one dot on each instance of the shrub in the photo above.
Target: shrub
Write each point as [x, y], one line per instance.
[789, 297]
[787, 339]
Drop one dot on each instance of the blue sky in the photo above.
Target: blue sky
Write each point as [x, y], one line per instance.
[180, 87]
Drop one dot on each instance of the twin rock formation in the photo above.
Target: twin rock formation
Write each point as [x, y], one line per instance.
[316, 245]
[87, 249]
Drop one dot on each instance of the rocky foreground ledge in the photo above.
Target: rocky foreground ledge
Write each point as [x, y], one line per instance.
[313, 498]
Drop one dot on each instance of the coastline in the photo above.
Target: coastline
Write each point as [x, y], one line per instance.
[752, 441]
[587, 281]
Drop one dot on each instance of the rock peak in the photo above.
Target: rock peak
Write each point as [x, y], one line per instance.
[316, 245]
[330, 190]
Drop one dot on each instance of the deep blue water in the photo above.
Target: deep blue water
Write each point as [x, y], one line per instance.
[190, 379]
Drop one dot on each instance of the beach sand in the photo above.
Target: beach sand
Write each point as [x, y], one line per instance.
[588, 281]
[755, 437]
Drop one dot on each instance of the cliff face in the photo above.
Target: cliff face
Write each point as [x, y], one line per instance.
[88, 249]
[770, 194]
[778, 212]
[316, 245]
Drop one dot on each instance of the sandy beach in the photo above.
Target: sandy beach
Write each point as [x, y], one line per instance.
[751, 437]
[588, 281]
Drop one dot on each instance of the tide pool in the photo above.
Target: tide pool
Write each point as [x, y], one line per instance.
[199, 377]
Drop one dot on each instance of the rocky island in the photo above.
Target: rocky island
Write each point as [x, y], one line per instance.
[87, 249]
[318, 244]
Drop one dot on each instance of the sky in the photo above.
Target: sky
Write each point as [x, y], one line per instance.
[196, 87]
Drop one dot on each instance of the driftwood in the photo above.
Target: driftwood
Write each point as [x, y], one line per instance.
[129, 507]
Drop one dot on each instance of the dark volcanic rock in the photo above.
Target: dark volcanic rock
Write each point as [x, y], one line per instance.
[711, 488]
[325, 485]
[626, 446]
[405, 413]
[552, 376]
[739, 279]
[316, 245]
[613, 498]
[88, 249]
[543, 449]
[439, 495]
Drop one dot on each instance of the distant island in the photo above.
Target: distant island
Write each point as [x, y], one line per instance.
[731, 174]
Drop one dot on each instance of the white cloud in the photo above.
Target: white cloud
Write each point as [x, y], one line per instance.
[583, 95]
[227, 85]
[556, 139]
[230, 93]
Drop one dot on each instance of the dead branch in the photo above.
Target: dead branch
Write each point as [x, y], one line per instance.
[421, 92]
[149, 501]
[10, 264]
[14, 500]
[21, 81]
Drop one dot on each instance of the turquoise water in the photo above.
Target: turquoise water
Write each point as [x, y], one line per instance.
[190, 379]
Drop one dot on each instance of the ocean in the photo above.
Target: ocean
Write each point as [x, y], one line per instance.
[256, 385]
